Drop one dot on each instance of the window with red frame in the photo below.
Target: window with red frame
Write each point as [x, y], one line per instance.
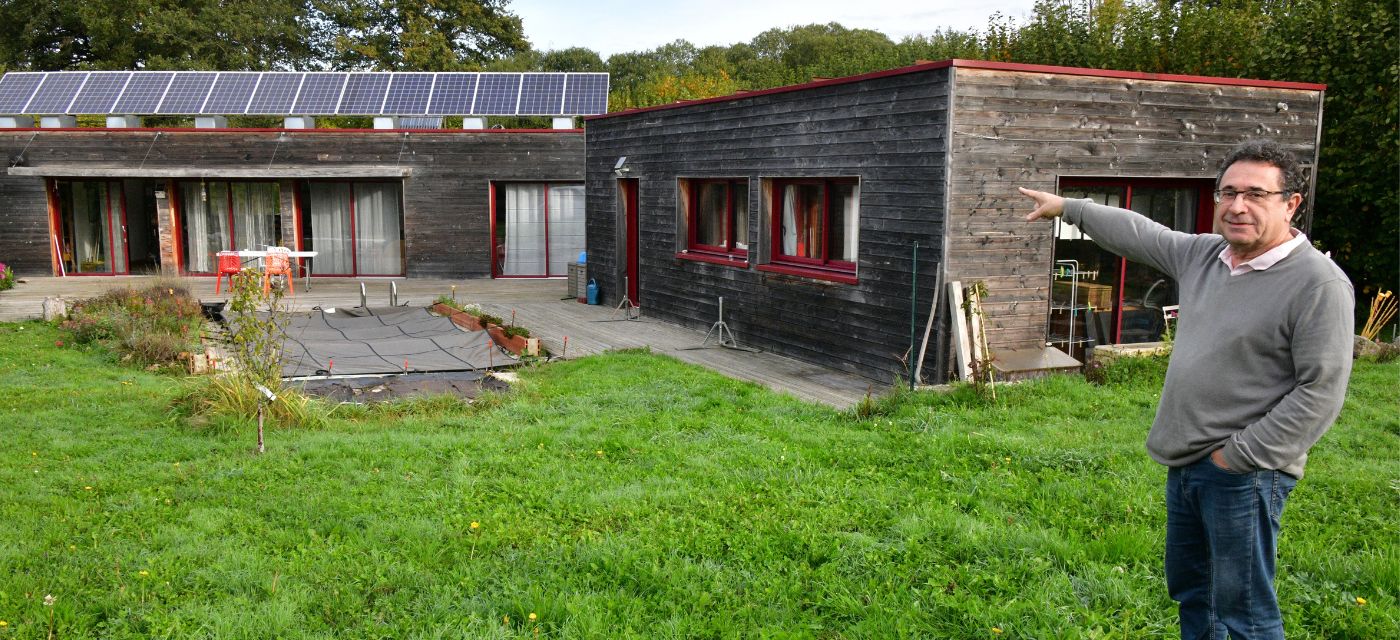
[816, 223]
[718, 216]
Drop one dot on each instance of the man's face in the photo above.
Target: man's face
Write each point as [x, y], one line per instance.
[1252, 228]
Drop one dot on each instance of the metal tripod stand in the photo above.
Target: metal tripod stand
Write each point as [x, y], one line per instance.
[632, 311]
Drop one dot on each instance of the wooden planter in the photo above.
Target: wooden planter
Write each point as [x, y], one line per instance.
[513, 344]
[460, 318]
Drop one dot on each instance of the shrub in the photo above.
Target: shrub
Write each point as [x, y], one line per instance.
[514, 331]
[7, 277]
[155, 325]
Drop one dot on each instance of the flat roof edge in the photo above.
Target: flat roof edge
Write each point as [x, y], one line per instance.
[88, 171]
[977, 64]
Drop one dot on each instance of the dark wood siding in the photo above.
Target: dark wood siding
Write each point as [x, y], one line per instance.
[24, 225]
[446, 196]
[889, 132]
[1013, 128]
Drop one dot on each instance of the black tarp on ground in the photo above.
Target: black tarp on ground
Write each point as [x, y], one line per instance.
[378, 341]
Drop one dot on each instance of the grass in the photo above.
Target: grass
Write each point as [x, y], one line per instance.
[630, 495]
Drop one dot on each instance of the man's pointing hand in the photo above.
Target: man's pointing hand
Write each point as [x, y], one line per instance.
[1047, 205]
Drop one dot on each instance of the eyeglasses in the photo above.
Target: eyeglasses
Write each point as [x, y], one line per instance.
[1253, 196]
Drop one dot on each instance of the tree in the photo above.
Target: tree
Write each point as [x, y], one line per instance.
[154, 34]
[421, 35]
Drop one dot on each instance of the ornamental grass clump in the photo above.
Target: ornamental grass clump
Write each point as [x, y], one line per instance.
[157, 326]
[231, 400]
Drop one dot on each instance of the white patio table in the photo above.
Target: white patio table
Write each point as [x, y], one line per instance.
[249, 253]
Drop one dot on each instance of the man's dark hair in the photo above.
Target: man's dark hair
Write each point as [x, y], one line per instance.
[1271, 153]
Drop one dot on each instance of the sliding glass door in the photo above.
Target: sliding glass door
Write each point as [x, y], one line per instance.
[92, 227]
[1125, 299]
[537, 228]
[227, 216]
[355, 228]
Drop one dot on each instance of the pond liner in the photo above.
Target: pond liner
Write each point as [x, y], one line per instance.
[369, 341]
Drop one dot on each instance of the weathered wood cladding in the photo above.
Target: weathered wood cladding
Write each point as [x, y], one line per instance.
[24, 225]
[446, 195]
[1016, 128]
[888, 132]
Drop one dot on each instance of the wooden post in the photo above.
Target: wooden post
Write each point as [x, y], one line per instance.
[961, 349]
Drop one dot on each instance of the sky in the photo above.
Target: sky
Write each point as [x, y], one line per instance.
[614, 26]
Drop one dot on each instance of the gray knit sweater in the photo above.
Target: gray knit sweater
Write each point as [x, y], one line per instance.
[1260, 362]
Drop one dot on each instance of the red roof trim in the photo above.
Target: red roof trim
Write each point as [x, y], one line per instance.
[978, 64]
[278, 130]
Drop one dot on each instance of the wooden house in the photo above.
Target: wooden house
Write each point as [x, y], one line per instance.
[801, 206]
[406, 198]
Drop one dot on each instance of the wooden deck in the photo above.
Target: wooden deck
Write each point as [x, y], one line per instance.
[537, 305]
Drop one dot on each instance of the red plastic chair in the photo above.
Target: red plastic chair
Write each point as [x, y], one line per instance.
[278, 263]
[229, 265]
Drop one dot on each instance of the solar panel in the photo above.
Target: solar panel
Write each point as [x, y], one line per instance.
[586, 94]
[276, 93]
[453, 93]
[320, 93]
[143, 93]
[56, 93]
[100, 92]
[16, 89]
[364, 94]
[231, 93]
[497, 94]
[187, 92]
[408, 94]
[541, 94]
[317, 93]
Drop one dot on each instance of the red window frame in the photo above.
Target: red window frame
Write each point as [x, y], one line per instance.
[1205, 219]
[300, 212]
[731, 198]
[823, 266]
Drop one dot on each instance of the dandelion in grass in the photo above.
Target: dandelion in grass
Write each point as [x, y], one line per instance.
[143, 573]
[996, 630]
[475, 527]
[3, 624]
[1360, 601]
[87, 488]
[533, 617]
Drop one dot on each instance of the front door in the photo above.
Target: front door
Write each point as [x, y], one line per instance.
[627, 187]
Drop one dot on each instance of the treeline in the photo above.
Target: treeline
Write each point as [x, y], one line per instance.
[1350, 45]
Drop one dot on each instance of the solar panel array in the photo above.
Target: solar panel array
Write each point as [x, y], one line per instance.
[307, 94]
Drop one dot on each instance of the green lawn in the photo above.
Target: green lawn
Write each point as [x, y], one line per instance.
[630, 495]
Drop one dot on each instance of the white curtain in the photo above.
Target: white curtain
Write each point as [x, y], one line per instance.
[524, 229]
[378, 228]
[789, 220]
[255, 210]
[330, 227]
[566, 227]
[847, 223]
[90, 226]
[740, 232]
[203, 214]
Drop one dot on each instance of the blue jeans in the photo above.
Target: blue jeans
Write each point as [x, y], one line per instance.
[1222, 532]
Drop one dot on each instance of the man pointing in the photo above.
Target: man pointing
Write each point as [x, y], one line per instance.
[1258, 373]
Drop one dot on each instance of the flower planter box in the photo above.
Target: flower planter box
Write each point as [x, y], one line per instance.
[460, 318]
[513, 344]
